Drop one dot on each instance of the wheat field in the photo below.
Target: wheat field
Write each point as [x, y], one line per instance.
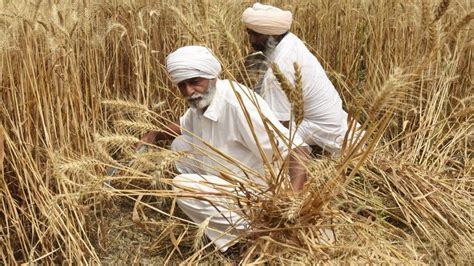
[81, 81]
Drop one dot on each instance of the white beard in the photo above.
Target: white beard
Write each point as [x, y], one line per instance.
[200, 101]
[271, 44]
[265, 63]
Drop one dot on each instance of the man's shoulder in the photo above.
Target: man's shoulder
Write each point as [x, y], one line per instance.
[288, 42]
[285, 50]
[290, 47]
[230, 90]
[229, 84]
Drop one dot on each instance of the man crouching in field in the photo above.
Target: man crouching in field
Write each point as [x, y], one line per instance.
[325, 122]
[224, 132]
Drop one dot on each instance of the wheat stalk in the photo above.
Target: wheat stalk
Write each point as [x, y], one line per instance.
[461, 24]
[116, 140]
[76, 166]
[122, 106]
[440, 10]
[135, 127]
[292, 212]
[167, 160]
[297, 99]
[425, 15]
[294, 94]
[197, 245]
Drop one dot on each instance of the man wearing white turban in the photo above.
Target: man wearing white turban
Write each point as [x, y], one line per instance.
[222, 132]
[325, 122]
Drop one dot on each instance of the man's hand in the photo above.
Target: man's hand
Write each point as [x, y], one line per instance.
[148, 138]
[152, 137]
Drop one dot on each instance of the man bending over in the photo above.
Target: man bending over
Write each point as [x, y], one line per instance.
[223, 131]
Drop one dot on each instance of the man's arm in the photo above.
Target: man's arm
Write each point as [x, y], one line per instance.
[151, 137]
[298, 157]
[297, 169]
[170, 132]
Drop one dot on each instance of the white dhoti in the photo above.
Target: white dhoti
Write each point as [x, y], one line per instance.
[223, 214]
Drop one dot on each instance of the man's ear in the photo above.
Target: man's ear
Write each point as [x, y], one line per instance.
[213, 81]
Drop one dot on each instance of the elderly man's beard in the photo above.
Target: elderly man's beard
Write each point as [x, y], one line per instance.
[201, 101]
[260, 62]
[268, 47]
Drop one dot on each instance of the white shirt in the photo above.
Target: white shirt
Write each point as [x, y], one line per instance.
[325, 122]
[224, 126]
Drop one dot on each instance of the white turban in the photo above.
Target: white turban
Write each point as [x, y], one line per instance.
[266, 19]
[191, 62]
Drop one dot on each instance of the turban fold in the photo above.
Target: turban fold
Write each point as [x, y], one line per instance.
[266, 19]
[191, 62]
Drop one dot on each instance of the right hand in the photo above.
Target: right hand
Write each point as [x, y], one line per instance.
[148, 138]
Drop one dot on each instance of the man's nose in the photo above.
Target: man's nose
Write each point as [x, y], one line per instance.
[188, 90]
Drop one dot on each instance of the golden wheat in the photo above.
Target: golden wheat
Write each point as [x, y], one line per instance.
[294, 93]
[441, 9]
[461, 24]
[297, 98]
[400, 195]
[198, 238]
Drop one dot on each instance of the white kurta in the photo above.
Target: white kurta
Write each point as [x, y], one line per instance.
[325, 122]
[224, 126]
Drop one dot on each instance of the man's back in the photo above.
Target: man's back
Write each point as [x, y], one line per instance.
[325, 122]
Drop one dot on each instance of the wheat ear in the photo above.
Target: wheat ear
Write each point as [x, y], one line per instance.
[461, 24]
[295, 95]
[441, 9]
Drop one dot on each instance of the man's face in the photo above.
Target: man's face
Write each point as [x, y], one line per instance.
[257, 40]
[197, 91]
